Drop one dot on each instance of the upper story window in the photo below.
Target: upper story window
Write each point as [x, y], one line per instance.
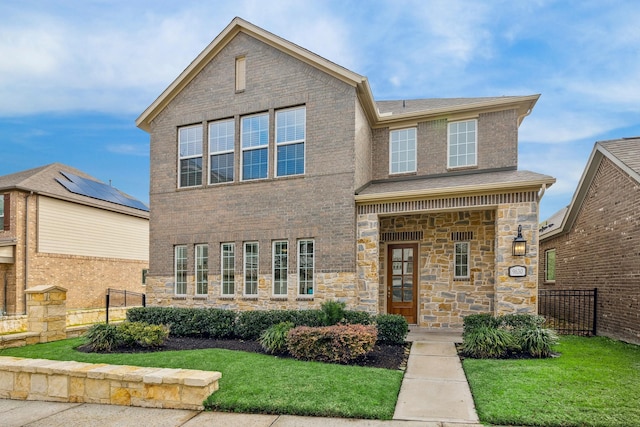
[180, 270]
[402, 150]
[5, 207]
[550, 265]
[290, 138]
[255, 146]
[463, 146]
[190, 153]
[202, 269]
[221, 149]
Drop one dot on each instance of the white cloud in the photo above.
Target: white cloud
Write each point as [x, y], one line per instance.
[129, 149]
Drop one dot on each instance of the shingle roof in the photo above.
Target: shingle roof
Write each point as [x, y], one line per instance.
[624, 153]
[42, 180]
[427, 104]
[481, 180]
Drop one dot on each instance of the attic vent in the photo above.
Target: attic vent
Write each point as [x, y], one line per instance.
[401, 236]
[459, 236]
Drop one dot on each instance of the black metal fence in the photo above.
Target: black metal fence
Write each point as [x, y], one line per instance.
[569, 311]
[123, 298]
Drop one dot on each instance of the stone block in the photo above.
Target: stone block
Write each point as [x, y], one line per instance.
[7, 381]
[58, 386]
[39, 384]
[96, 390]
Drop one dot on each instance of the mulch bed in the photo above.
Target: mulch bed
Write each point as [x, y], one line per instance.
[382, 356]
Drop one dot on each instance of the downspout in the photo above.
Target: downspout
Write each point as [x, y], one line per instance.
[541, 192]
[26, 253]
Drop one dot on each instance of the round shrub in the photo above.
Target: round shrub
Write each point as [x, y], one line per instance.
[274, 339]
[337, 344]
[103, 337]
[485, 342]
[392, 329]
[537, 342]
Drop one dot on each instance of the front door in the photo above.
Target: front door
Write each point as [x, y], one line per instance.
[402, 279]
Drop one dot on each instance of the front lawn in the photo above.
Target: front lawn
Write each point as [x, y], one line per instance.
[259, 383]
[595, 382]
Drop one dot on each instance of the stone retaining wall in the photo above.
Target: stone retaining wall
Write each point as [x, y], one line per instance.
[57, 381]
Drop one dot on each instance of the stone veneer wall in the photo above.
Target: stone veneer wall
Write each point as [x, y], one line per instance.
[328, 287]
[442, 300]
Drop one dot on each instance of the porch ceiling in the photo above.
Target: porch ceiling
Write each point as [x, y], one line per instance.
[481, 182]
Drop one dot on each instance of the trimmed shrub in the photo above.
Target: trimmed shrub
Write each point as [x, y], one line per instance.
[392, 329]
[337, 344]
[251, 324]
[332, 312]
[474, 321]
[142, 334]
[358, 318]
[537, 341]
[274, 339]
[521, 321]
[486, 342]
[188, 322]
[102, 337]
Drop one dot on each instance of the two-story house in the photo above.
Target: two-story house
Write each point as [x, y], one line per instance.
[277, 181]
[593, 242]
[60, 226]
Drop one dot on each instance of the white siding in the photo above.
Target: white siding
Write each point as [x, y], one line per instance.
[73, 229]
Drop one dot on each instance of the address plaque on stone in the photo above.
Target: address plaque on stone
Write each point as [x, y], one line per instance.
[517, 271]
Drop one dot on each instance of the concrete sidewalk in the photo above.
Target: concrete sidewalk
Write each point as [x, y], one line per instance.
[434, 393]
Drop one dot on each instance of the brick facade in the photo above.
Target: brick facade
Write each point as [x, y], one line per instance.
[601, 251]
[346, 150]
[86, 278]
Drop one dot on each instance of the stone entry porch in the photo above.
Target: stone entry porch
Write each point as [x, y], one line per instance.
[488, 222]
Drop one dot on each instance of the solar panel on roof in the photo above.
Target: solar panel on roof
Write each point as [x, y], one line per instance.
[98, 190]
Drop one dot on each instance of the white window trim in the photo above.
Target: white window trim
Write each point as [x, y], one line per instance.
[449, 144]
[313, 268]
[233, 246]
[198, 255]
[298, 141]
[195, 156]
[259, 147]
[455, 260]
[244, 269]
[415, 168]
[217, 153]
[273, 268]
[175, 270]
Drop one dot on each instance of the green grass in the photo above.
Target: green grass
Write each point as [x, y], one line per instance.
[258, 383]
[595, 382]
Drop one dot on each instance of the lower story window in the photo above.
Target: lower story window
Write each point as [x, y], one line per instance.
[228, 262]
[202, 269]
[251, 268]
[280, 267]
[306, 260]
[461, 263]
[550, 265]
[180, 268]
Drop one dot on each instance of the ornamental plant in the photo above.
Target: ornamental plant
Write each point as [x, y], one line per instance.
[334, 344]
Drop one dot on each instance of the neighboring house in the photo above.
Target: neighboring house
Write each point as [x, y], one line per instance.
[278, 182]
[595, 241]
[62, 227]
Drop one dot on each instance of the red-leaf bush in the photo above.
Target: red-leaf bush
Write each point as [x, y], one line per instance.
[335, 344]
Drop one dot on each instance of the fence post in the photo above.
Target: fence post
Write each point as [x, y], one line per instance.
[107, 308]
[595, 310]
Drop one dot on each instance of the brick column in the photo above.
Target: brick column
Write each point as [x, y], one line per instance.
[516, 294]
[47, 312]
[368, 235]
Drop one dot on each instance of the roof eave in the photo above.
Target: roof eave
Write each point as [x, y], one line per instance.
[523, 104]
[447, 191]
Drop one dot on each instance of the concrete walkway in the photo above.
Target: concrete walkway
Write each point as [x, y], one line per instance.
[434, 387]
[434, 393]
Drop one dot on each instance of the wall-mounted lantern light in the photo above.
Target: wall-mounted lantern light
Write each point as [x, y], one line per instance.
[519, 244]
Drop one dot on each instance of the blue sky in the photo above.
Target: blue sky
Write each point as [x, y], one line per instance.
[74, 75]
